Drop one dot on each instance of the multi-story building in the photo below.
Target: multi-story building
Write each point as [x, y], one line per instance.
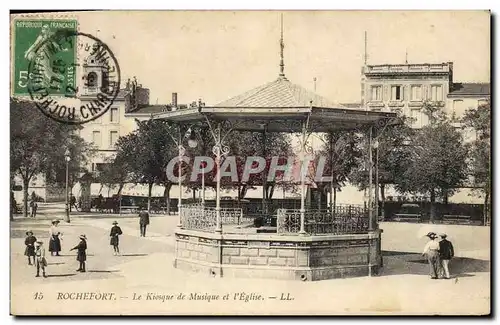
[405, 87]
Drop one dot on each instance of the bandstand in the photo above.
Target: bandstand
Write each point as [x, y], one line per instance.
[306, 244]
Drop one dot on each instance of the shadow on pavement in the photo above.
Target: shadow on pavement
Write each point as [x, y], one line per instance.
[396, 263]
[60, 275]
[55, 263]
[102, 271]
[133, 255]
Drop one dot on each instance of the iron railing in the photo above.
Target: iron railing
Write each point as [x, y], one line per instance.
[345, 220]
[196, 216]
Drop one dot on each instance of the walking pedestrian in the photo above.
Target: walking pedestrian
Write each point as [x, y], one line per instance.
[446, 253]
[115, 232]
[34, 207]
[55, 240]
[41, 262]
[72, 202]
[431, 251]
[143, 221]
[81, 255]
[30, 247]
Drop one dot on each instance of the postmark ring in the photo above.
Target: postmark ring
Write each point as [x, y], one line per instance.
[43, 68]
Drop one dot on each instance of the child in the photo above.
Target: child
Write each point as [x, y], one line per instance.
[41, 262]
[81, 256]
[115, 232]
[30, 246]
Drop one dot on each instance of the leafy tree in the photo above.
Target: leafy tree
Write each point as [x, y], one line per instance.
[38, 145]
[438, 166]
[480, 154]
[394, 157]
[342, 152]
[145, 154]
[242, 145]
[115, 172]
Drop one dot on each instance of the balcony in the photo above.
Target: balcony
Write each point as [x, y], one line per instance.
[443, 68]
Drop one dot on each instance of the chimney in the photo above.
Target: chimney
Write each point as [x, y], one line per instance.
[174, 99]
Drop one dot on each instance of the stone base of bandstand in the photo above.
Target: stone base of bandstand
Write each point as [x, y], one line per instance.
[286, 257]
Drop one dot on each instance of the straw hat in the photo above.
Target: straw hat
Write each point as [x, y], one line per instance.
[443, 235]
[83, 237]
[29, 232]
[38, 242]
[431, 235]
[55, 221]
[115, 222]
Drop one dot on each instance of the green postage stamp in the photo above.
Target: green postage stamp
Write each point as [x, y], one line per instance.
[33, 38]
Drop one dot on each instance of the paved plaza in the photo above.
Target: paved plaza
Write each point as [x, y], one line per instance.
[145, 268]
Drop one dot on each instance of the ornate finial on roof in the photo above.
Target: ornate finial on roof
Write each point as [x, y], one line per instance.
[282, 47]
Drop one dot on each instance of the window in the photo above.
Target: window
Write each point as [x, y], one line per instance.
[416, 118]
[457, 109]
[397, 93]
[376, 93]
[416, 93]
[96, 138]
[482, 102]
[92, 80]
[113, 137]
[113, 115]
[436, 93]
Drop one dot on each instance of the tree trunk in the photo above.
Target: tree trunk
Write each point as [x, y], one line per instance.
[194, 194]
[239, 193]
[26, 182]
[445, 196]
[486, 208]
[271, 192]
[433, 206]
[382, 200]
[166, 195]
[120, 188]
[334, 198]
[150, 189]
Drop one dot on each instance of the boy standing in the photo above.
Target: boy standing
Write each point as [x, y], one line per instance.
[81, 255]
[30, 247]
[41, 262]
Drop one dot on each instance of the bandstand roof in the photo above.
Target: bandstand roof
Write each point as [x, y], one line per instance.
[280, 106]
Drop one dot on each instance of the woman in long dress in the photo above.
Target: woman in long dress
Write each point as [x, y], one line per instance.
[55, 240]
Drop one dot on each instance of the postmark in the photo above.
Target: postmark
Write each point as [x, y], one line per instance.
[91, 95]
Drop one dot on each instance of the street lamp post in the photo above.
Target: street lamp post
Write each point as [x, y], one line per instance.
[67, 157]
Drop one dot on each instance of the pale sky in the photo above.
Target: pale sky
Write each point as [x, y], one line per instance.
[216, 55]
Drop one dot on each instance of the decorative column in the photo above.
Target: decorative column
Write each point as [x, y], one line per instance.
[370, 182]
[219, 150]
[303, 179]
[264, 175]
[182, 150]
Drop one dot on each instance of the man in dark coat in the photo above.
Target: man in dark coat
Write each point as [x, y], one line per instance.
[446, 253]
[81, 255]
[143, 221]
[114, 233]
[72, 202]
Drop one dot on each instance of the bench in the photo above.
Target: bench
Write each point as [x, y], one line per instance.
[129, 208]
[456, 218]
[407, 217]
